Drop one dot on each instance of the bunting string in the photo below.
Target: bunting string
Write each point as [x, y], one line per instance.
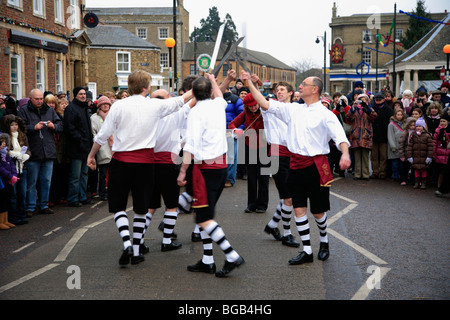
[423, 18]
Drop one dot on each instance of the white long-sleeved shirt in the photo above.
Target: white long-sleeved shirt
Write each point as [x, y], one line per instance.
[206, 130]
[134, 121]
[168, 135]
[310, 128]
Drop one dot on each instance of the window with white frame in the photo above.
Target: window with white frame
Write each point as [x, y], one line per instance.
[59, 17]
[16, 79]
[92, 87]
[142, 33]
[59, 76]
[74, 12]
[38, 7]
[123, 62]
[163, 33]
[398, 35]
[367, 36]
[15, 3]
[164, 60]
[367, 57]
[40, 74]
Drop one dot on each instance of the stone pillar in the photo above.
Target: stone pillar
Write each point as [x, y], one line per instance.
[416, 80]
[397, 84]
[407, 80]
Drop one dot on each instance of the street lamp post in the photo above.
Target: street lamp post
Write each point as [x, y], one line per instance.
[447, 52]
[170, 43]
[324, 39]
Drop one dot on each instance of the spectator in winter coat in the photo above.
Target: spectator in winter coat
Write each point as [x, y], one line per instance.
[420, 153]
[41, 123]
[379, 148]
[361, 117]
[79, 140]
[234, 108]
[395, 131]
[441, 152]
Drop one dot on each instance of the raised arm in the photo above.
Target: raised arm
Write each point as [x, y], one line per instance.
[231, 76]
[257, 95]
[217, 93]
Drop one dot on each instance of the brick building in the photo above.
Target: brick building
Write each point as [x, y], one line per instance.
[354, 45]
[154, 25]
[269, 69]
[114, 53]
[42, 46]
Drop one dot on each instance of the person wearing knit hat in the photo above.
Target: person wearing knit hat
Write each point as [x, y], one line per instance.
[326, 102]
[361, 119]
[255, 145]
[79, 139]
[76, 90]
[445, 96]
[104, 155]
[249, 101]
[420, 153]
[103, 100]
[420, 123]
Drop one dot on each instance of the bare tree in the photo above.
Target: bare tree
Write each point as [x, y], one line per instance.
[306, 68]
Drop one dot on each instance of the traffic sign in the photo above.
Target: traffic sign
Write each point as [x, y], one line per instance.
[442, 74]
[204, 62]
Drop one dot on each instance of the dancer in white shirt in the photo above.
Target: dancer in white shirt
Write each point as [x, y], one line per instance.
[206, 143]
[310, 127]
[134, 122]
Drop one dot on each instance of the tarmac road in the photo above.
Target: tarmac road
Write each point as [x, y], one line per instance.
[387, 242]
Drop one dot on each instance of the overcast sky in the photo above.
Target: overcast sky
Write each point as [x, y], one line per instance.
[286, 29]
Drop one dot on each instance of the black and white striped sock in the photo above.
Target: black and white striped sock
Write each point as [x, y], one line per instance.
[322, 225]
[148, 220]
[286, 213]
[122, 224]
[138, 231]
[218, 236]
[185, 201]
[170, 219]
[303, 230]
[208, 257]
[273, 223]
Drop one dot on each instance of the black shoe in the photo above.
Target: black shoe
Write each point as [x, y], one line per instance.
[161, 228]
[301, 258]
[88, 201]
[46, 211]
[137, 259]
[229, 266]
[324, 252]
[126, 255]
[171, 246]
[290, 241]
[196, 237]
[202, 267]
[260, 210]
[75, 204]
[104, 198]
[248, 210]
[275, 232]
[143, 249]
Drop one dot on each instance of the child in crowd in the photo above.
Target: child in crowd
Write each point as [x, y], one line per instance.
[440, 151]
[395, 131]
[403, 147]
[433, 116]
[19, 152]
[420, 153]
[8, 175]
